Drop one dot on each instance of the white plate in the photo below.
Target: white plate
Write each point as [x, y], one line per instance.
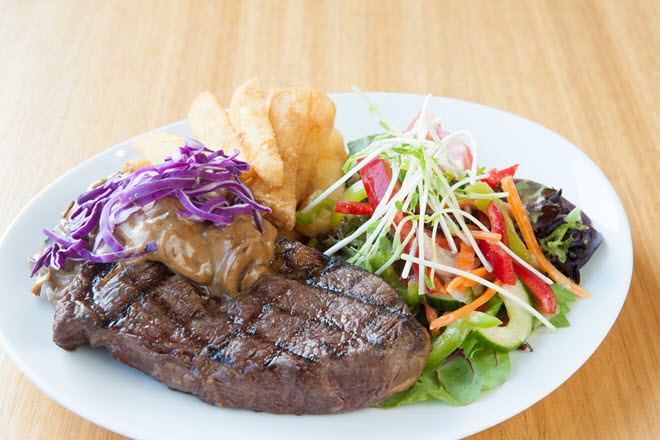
[124, 400]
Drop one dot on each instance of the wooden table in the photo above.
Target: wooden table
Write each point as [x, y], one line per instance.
[79, 77]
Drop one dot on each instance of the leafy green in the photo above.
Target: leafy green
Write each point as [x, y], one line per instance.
[407, 292]
[470, 345]
[459, 367]
[459, 381]
[348, 225]
[558, 241]
[362, 143]
[551, 215]
[494, 368]
[425, 387]
[564, 296]
[454, 335]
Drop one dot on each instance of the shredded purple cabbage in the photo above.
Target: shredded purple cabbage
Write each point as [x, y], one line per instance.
[192, 173]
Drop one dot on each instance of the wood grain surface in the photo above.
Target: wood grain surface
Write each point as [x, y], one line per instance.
[80, 76]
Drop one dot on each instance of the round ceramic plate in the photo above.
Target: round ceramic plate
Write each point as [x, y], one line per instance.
[90, 383]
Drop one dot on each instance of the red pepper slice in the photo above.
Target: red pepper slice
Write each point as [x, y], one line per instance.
[354, 208]
[542, 291]
[497, 224]
[376, 177]
[495, 176]
[500, 260]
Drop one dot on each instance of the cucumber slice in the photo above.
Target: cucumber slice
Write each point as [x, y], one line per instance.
[478, 290]
[516, 332]
[446, 302]
[443, 302]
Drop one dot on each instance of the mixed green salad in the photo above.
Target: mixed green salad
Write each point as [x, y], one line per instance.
[481, 258]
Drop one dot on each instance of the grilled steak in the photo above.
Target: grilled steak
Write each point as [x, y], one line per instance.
[314, 335]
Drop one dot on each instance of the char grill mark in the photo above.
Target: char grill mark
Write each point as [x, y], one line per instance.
[327, 308]
[314, 335]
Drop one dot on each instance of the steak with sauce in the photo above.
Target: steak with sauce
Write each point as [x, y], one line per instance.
[313, 335]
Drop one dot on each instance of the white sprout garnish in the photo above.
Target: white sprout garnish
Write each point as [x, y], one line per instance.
[486, 283]
[425, 171]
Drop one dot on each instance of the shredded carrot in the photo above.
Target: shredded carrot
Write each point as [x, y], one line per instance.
[462, 281]
[439, 287]
[465, 202]
[488, 236]
[466, 257]
[450, 317]
[456, 282]
[442, 242]
[481, 235]
[469, 283]
[525, 226]
[431, 313]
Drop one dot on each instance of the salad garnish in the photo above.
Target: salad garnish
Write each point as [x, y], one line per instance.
[456, 243]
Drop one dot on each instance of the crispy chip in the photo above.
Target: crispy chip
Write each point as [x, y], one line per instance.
[288, 114]
[328, 170]
[210, 125]
[134, 164]
[277, 199]
[329, 165]
[249, 118]
[321, 122]
[158, 145]
[286, 138]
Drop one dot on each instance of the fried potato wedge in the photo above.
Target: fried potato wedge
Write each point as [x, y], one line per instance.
[134, 164]
[288, 115]
[330, 164]
[210, 125]
[321, 122]
[249, 118]
[283, 215]
[328, 170]
[158, 145]
[287, 138]
[288, 112]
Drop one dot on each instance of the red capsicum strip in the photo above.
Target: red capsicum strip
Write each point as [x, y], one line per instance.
[500, 260]
[542, 291]
[495, 177]
[376, 177]
[354, 208]
[497, 224]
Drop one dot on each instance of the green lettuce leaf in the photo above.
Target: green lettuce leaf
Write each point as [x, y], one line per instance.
[459, 381]
[358, 145]
[459, 367]
[564, 296]
[557, 243]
